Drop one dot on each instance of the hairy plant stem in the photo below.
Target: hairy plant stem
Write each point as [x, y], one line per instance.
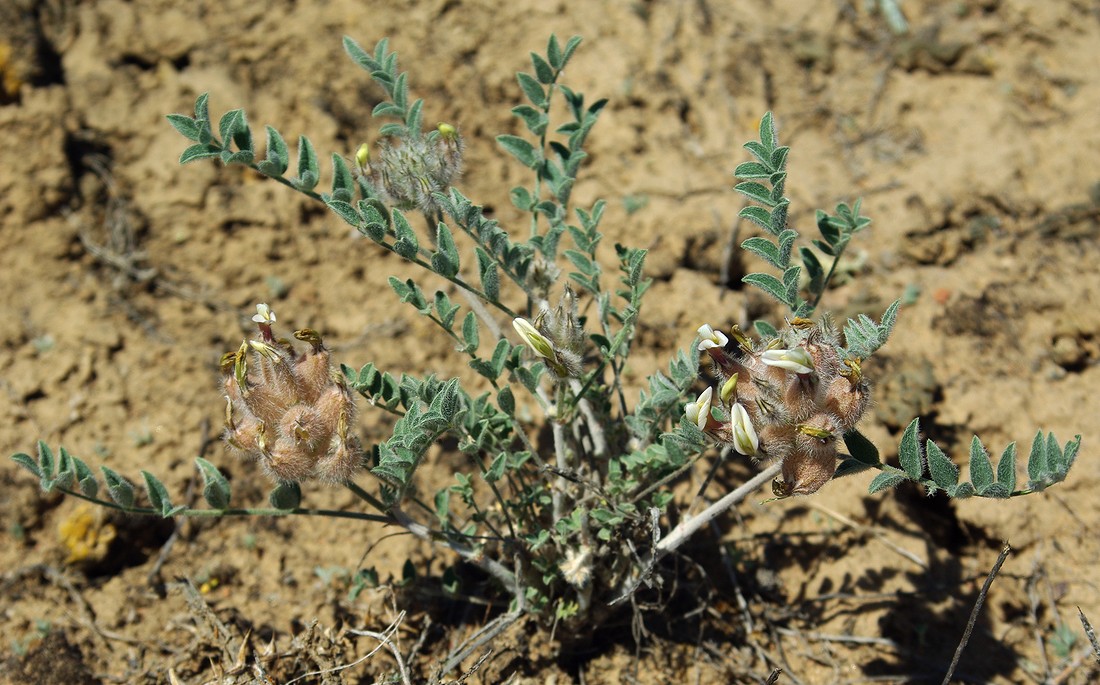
[470, 554]
[595, 430]
[561, 455]
[828, 277]
[689, 526]
[217, 513]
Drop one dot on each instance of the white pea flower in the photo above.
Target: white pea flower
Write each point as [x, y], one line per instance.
[745, 440]
[711, 338]
[699, 411]
[797, 360]
[264, 314]
[538, 343]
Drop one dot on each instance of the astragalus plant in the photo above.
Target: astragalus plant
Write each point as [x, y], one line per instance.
[571, 523]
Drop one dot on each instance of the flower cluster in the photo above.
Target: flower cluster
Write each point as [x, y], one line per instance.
[788, 400]
[287, 410]
[556, 336]
[410, 174]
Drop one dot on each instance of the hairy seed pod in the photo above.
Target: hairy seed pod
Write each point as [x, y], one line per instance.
[287, 461]
[806, 471]
[847, 400]
[342, 460]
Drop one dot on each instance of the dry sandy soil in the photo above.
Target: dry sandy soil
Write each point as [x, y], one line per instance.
[973, 141]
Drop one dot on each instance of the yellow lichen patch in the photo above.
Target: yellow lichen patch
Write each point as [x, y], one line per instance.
[85, 534]
[9, 79]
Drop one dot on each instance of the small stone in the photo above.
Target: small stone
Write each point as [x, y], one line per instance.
[1067, 352]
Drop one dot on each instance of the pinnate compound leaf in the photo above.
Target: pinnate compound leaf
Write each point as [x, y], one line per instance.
[506, 401]
[765, 249]
[278, 156]
[47, 465]
[1069, 456]
[158, 495]
[996, 491]
[215, 488]
[199, 151]
[861, 449]
[309, 172]
[553, 52]
[532, 89]
[889, 478]
[769, 284]
[962, 491]
[120, 489]
[570, 47]
[909, 450]
[943, 471]
[85, 478]
[185, 126]
[981, 469]
[407, 244]
[66, 474]
[519, 148]
[470, 333]
[758, 215]
[752, 170]
[756, 192]
[285, 496]
[343, 186]
[543, 71]
[445, 261]
[345, 211]
[1037, 460]
[27, 462]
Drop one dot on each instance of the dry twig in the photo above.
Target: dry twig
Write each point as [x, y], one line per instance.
[1005, 549]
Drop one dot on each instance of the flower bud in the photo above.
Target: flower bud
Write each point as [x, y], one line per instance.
[362, 159]
[745, 440]
[728, 392]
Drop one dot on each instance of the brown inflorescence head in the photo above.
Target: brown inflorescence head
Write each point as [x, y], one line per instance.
[790, 399]
[287, 410]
